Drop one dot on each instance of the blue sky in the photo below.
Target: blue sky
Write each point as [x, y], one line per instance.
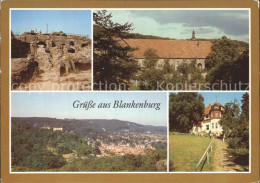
[179, 24]
[60, 105]
[221, 97]
[68, 21]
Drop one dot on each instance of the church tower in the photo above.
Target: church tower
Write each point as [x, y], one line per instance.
[193, 35]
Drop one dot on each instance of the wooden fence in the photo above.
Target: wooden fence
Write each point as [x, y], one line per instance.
[206, 154]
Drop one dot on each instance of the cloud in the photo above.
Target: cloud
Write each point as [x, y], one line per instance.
[234, 22]
[180, 23]
[199, 30]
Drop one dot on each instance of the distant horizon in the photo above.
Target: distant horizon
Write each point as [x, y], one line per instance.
[179, 24]
[87, 119]
[52, 32]
[61, 105]
[69, 21]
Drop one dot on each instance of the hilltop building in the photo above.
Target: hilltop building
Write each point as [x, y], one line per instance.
[210, 123]
[46, 127]
[57, 128]
[53, 128]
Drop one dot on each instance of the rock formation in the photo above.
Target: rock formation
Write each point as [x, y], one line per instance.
[49, 59]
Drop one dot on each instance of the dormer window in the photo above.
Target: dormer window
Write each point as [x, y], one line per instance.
[207, 116]
[216, 107]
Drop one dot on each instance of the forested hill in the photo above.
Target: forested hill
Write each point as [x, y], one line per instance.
[82, 126]
[98, 29]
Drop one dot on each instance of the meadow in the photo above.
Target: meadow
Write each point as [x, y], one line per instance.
[186, 151]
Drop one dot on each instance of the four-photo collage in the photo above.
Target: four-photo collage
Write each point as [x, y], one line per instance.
[130, 90]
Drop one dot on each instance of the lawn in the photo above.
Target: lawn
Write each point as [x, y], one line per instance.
[186, 151]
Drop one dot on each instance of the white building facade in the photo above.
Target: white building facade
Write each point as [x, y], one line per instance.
[210, 123]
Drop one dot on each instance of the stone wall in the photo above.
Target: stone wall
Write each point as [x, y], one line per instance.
[23, 70]
[175, 62]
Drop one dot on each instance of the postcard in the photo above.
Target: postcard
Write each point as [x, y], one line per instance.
[130, 91]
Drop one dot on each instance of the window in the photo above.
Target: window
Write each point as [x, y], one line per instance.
[219, 114]
[159, 65]
[212, 115]
[207, 127]
[199, 66]
[212, 125]
[216, 114]
[216, 125]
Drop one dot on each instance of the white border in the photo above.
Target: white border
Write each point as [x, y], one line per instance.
[92, 50]
[168, 133]
[250, 93]
[167, 92]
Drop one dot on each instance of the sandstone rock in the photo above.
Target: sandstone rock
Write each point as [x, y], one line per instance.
[22, 70]
[57, 54]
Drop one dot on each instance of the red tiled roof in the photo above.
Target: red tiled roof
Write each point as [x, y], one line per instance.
[207, 109]
[171, 48]
[218, 104]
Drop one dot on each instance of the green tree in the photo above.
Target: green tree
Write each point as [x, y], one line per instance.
[195, 73]
[235, 123]
[224, 65]
[245, 105]
[97, 150]
[190, 73]
[244, 124]
[222, 51]
[150, 78]
[151, 58]
[112, 55]
[184, 69]
[97, 143]
[167, 68]
[63, 148]
[185, 110]
[240, 70]
[159, 145]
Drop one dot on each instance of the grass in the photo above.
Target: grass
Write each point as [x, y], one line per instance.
[186, 151]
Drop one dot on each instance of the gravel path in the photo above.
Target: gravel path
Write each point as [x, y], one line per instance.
[222, 159]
